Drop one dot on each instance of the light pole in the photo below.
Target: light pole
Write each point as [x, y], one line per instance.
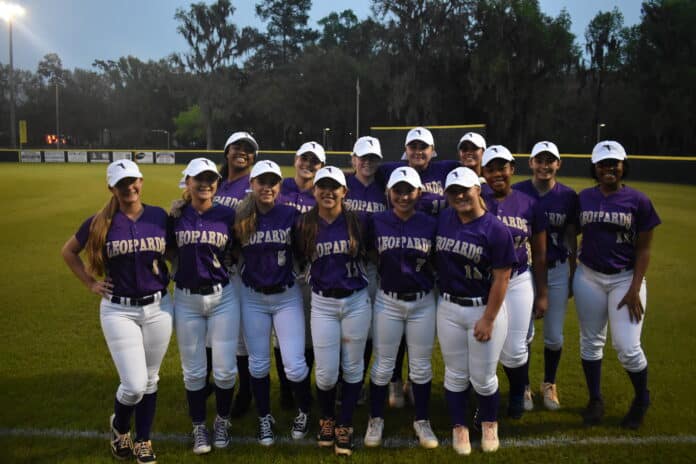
[599, 131]
[323, 139]
[57, 81]
[162, 131]
[9, 11]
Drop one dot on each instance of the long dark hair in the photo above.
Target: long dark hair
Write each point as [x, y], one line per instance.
[308, 230]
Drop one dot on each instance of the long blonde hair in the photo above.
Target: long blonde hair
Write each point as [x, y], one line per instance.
[94, 248]
[245, 219]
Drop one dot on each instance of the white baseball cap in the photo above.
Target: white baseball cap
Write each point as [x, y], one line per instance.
[496, 151]
[197, 166]
[120, 170]
[474, 138]
[330, 172]
[541, 147]
[420, 133]
[463, 177]
[367, 146]
[312, 147]
[608, 149]
[265, 167]
[241, 137]
[405, 174]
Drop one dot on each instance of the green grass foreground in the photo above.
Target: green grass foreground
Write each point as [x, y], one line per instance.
[56, 372]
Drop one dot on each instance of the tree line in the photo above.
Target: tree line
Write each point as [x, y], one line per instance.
[414, 62]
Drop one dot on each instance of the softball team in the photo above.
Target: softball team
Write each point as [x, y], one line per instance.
[617, 224]
[126, 242]
[405, 305]
[270, 297]
[501, 256]
[206, 306]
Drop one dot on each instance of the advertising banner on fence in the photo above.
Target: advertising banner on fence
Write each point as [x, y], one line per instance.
[122, 155]
[77, 157]
[98, 156]
[165, 157]
[144, 157]
[52, 156]
[31, 157]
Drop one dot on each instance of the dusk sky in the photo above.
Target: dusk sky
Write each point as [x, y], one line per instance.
[80, 31]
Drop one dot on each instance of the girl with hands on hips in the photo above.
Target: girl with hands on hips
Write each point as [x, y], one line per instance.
[474, 256]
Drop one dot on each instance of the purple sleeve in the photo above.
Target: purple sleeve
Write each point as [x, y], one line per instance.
[539, 222]
[646, 217]
[82, 233]
[502, 248]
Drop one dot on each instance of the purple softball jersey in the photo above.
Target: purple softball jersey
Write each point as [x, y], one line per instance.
[466, 254]
[365, 200]
[560, 205]
[610, 226]
[332, 266]
[523, 217]
[232, 193]
[433, 178]
[290, 194]
[404, 248]
[134, 252]
[268, 255]
[201, 241]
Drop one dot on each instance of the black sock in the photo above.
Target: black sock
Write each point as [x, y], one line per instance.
[262, 394]
[351, 392]
[399, 362]
[243, 377]
[421, 396]
[196, 403]
[327, 402]
[280, 370]
[551, 360]
[378, 396]
[208, 364]
[488, 406]
[593, 374]
[640, 385]
[145, 416]
[223, 401]
[123, 414]
[516, 376]
[302, 394]
[456, 406]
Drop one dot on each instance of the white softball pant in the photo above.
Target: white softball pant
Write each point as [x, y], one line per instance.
[558, 304]
[596, 298]
[372, 288]
[284, 312]
[468, 360]
[339, 333]
[197, 317]
[519, 300]
[137, 337]
[391, 319]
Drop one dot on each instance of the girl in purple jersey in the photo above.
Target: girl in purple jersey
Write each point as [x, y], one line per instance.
[617, 225]
[470, 149]
[126, 242]
[330, 238]
[270, 298]
[474, 255]
[559, 204]
[240, 153]
[206, 306]
[527, 293]
[405, 304]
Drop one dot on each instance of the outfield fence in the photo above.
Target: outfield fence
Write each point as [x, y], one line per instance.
[669, 169]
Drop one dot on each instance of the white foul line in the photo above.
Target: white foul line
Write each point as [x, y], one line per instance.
[393, 442]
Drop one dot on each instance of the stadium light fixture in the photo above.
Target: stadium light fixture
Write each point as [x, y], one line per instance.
[599, 131]
[8, 12]
[162, 131]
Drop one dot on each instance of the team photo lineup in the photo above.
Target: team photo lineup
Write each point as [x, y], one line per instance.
[349, 276]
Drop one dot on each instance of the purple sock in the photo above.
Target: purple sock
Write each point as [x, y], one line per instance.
[517, 377]
[488, 406]
[593, 374]
[351, 392]
[196, 403]
[145, 416]
[378, 395]
[640, 385]
[421, 396]
[302, 393]
[456, 406]
[551, 360]
[223, 400]
[261, 389]
[327, 402]
[123, 415]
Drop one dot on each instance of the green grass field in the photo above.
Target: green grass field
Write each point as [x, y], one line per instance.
[56, 375]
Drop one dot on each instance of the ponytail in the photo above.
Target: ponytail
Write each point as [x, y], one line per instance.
[94, 248]
[245, 220]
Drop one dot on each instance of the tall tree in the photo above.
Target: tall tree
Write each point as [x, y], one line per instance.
[287, 32]
[215, 41]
